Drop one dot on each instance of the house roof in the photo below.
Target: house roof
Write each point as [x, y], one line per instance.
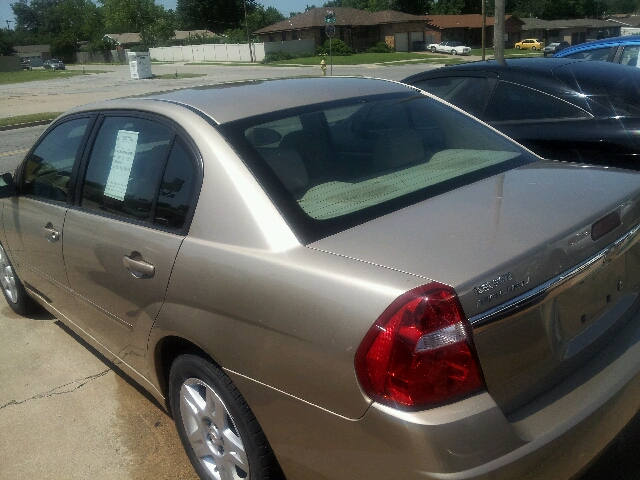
[124, 38]
[185, 34]
[32, 48]
[345, 16]
[538, 24]
[462, 21]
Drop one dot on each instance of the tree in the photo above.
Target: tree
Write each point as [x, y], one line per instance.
[6, 45]
[256, 20]
[214, 15]
[72, 19]
[414, 7]
[448, 7]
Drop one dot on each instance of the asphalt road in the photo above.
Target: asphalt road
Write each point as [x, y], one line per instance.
[65, 411]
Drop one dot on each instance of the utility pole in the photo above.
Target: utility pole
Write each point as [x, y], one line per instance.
[246, 24]
[498, 32]
[484, 28]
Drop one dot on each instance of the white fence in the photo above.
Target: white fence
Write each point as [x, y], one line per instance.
[228, 52]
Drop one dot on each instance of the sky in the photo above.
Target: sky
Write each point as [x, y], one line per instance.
[284, 6]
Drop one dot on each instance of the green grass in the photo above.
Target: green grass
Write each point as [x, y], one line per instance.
[34, 75]
[365, 58]
[508, 53]
[169, 76]
[36, 117]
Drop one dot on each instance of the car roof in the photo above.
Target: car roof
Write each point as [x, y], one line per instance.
[605, 42]
[530, 66]
[226, 102]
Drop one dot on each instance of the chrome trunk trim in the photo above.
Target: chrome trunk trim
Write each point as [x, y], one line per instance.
[560, 283]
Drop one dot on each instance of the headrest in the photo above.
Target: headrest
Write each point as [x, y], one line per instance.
[287, 165]
[398, 148]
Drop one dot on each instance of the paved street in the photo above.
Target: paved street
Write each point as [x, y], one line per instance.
[66, 412]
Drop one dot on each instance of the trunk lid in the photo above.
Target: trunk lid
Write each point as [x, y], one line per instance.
[511, 238]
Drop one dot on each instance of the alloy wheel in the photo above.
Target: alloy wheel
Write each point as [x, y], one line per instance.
[212, 432]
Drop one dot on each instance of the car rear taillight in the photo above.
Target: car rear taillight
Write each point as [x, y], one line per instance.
[419, 353]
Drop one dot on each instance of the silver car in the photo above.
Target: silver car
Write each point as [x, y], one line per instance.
[337, 278]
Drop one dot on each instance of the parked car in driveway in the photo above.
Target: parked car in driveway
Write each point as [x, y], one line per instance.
[623, 50]
[451, 46]
[554, 47]
[338, 278]
[562, 109]
[528, 44]
[53, 64]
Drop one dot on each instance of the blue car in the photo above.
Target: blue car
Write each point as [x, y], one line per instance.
[623, 50]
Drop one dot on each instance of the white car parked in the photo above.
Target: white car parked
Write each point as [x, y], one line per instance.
[451, 46]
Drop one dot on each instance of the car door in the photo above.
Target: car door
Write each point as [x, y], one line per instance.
[125, 229]
[34, 218]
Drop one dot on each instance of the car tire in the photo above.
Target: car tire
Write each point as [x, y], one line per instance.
[433, 49]
[534, 48]
[453, 52]
[12, 288]
[517, 47]
[217, 428]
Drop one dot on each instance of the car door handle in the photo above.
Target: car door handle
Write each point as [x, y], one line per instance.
[50, 233]
[138, 267]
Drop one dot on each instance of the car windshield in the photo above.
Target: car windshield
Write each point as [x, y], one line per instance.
[334, 166]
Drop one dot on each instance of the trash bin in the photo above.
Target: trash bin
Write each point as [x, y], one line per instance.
[140, 65]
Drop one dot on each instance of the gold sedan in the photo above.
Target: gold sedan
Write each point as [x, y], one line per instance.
[529, 44]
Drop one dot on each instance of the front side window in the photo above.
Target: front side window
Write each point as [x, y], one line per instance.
[332, 167]
[511, 102]
[47, 170]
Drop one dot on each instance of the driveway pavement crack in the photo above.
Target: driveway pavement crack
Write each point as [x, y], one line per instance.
[61, 390]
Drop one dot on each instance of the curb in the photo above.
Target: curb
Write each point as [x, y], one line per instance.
[25, 125]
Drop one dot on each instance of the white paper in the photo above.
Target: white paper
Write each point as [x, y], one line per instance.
[123, 154]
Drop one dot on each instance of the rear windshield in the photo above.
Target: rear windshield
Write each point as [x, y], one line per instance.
[332, 166]
[612, 86]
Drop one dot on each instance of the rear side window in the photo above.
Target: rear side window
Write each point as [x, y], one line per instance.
[468, 93]
[139, 170]
[47, 170]
[629, 56]
[598, 54]
[331, 167]
[511, 102]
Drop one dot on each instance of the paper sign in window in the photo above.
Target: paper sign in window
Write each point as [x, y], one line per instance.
[123, 154]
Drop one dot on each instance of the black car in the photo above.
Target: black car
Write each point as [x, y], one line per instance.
[554, 48]
[562, 109]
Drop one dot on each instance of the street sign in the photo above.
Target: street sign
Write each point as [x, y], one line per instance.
[330, 30]
[330, 17]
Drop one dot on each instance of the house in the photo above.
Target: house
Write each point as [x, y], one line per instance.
[35, 54]
[468, 29]
[357, 28]
[574, 31]
[123, 41]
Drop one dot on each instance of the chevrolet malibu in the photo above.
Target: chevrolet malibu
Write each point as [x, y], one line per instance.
[337, 278]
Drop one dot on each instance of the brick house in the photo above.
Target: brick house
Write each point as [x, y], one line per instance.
[573, 31]
[357, 28]
[468, 29]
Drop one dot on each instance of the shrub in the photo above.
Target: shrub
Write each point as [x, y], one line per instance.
[380, 47]
[277, 56]
[338, 48]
